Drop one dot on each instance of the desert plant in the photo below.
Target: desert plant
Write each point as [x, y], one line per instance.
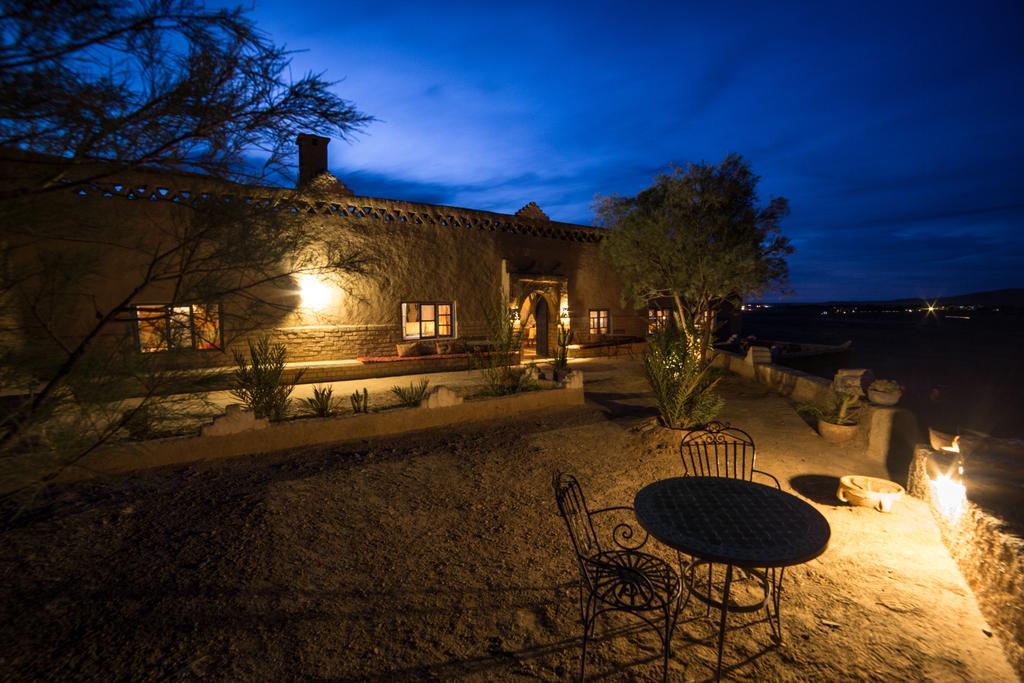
[498, 366]
[683, 384]
[838, 407]
[322, 404]
[562, 353]
[412, 395]
[360, 402]
[259, 382]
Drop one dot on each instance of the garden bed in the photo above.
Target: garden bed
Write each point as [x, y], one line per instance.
[239, 433]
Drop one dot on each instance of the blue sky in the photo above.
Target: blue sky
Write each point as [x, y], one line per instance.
[896, 130]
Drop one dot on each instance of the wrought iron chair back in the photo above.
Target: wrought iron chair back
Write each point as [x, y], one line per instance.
[618, 577]
[719, 450]
[572, 506]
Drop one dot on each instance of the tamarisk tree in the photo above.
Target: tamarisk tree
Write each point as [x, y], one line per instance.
[698, 237]
[95, 91]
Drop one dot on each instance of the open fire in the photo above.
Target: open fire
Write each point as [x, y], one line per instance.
[948, 490]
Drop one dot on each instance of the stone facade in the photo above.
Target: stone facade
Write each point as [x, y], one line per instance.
[422, 253]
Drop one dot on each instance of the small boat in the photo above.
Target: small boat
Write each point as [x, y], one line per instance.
[784, 350]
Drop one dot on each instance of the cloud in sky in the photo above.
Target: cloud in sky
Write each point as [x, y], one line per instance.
[895, 130]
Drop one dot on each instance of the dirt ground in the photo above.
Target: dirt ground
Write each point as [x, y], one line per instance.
[440, 556]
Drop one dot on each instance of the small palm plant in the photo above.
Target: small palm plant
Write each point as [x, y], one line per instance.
[683, 384]
[360, 402]
[412, 395]
[838, 408]
[259, 381]
[322, 404]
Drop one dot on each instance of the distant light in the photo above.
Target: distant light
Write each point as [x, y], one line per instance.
[316, 294]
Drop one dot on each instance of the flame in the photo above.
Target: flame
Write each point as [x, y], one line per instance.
[954, 447]
[950, 496]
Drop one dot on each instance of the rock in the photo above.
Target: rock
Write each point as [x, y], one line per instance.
[236, 418]
[441, 397]
[853, 380]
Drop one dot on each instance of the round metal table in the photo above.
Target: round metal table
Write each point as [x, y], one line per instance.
[732, 522]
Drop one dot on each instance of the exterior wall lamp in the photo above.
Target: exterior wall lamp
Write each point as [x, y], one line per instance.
[315, 293]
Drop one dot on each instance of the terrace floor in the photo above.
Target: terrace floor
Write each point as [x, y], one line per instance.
[439, 555]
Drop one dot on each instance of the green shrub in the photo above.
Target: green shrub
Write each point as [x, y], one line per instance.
[562, 352]
[259, 382]
[412, 395]
[360, 402]
[498, 365]
[683, 384]
[322, 404]
[839, 407]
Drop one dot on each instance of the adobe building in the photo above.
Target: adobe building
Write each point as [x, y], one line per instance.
[436, 271]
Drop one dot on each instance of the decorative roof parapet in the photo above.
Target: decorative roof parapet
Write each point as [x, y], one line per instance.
[325, 183]
[357, 208]
[533, 211]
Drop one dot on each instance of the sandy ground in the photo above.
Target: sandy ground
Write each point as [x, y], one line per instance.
[440, 556]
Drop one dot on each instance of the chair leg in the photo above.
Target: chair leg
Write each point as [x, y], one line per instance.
[671, 617]
[588, 627]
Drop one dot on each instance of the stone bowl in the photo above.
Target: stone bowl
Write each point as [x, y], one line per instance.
[869, 492]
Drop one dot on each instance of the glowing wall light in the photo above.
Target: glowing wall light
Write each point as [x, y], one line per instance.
[315, 293]
[950, 496]
[948, 490]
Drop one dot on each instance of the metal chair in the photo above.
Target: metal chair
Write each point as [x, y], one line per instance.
[616, 576]
[719, 450]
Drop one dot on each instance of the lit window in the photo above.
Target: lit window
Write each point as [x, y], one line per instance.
[600, 321]
[428, 320]
[167, 328]
[657, 319]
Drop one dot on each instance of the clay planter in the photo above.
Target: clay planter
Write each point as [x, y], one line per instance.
[834, 433]
[884, 398]
[870, 492]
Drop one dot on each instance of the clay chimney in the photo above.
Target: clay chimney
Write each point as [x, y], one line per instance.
[312, 156]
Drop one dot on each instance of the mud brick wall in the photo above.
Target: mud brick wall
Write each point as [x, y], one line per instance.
[328, 342]
[991, 560]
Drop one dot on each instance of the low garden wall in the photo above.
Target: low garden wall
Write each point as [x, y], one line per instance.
[887, 435]
[239, 433]
[990, 558]
[630, 349]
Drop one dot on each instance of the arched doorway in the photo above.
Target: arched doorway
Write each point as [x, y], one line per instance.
[535, 325]
[540, 315]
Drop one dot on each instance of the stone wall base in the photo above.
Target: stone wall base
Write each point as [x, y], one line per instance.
[991, 560]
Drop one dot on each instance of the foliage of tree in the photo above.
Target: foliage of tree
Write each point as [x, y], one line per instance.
[165, 84]
[95, 91]
[699, 237]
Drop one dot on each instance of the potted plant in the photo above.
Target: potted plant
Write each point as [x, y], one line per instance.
[836, 415]
[885, 392]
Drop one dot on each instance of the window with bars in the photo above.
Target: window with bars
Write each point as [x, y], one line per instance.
[657, 319]
[163, 327]
[600, 321]
[428, 320]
